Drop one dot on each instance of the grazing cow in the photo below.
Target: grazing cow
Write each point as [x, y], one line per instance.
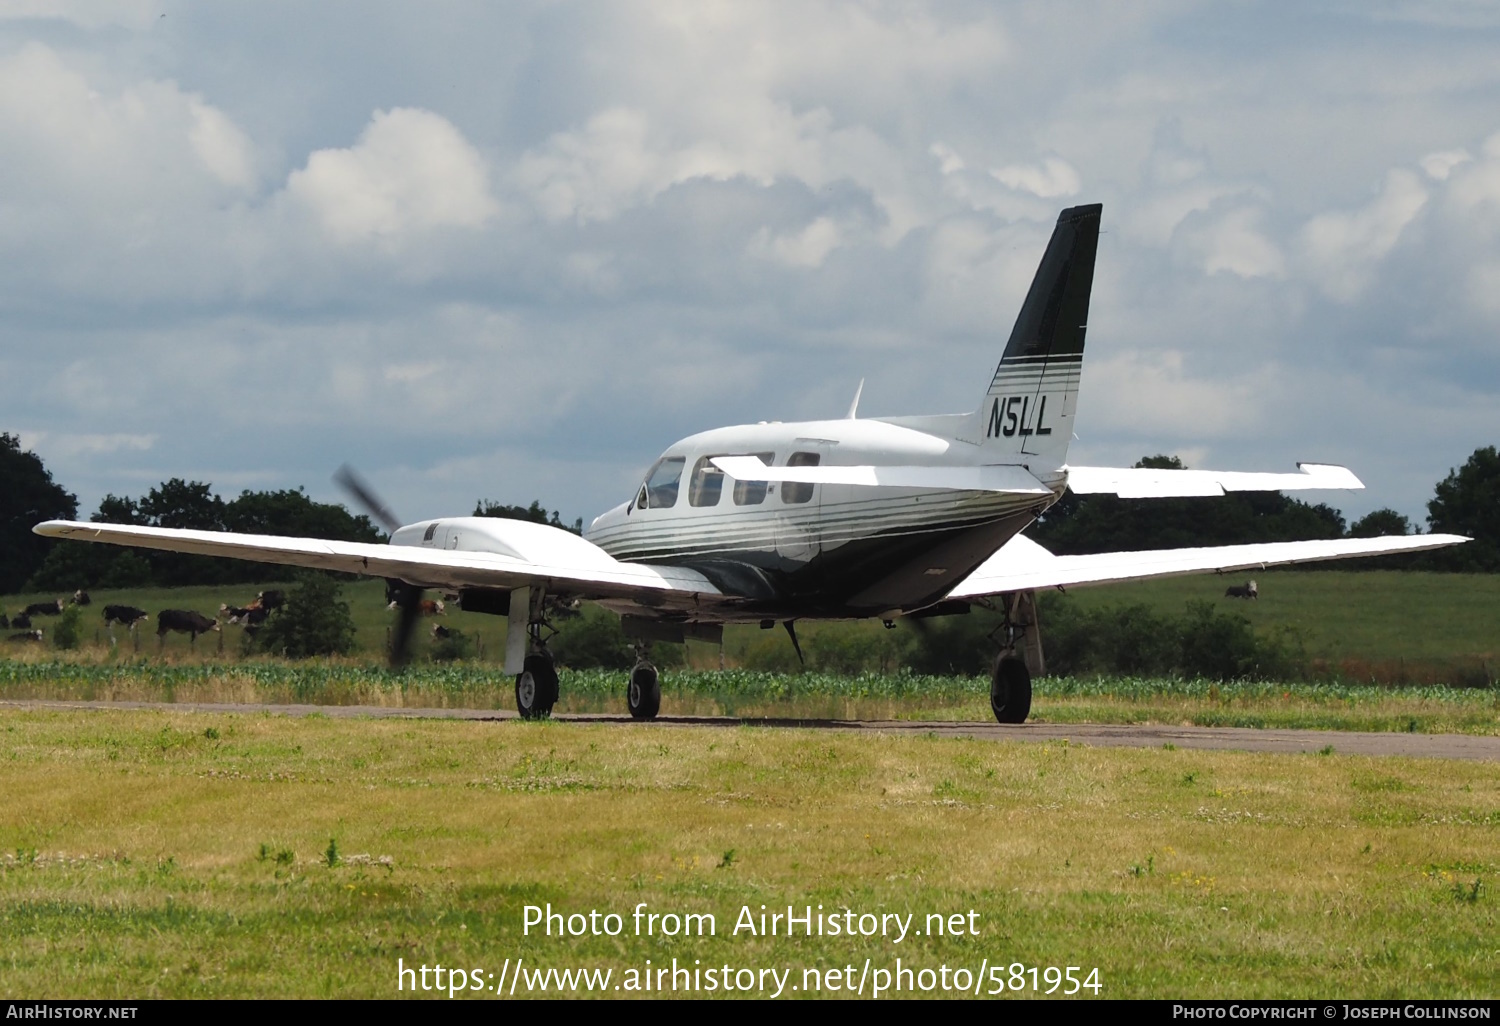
[125, 616]
[1244, 591]
[269, 600]
[52, 608]
[184, 621]
[81, 598]
[251, 615]
[20, 620]
[35, 635]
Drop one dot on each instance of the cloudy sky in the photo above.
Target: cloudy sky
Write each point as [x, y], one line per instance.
[514, 251]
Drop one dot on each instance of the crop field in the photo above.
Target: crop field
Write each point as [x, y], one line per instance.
[191, 855]
[757, 694]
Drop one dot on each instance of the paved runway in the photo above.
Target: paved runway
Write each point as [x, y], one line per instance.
[1242, 739]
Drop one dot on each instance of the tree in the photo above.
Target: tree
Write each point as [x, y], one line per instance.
[1382, 523]
[534, 513]
[291, 512]
[28, 495]
[314, 621]
[1467, 502]
[183, 504]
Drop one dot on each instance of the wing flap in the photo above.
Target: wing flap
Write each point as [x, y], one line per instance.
[993, 478]
[1023, 565]
[1151, 483]
[433, 568]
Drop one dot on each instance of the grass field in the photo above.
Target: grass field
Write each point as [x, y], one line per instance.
[1374, 625]
[174, 854]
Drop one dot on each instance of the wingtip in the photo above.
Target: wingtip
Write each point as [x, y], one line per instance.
[1332, 475]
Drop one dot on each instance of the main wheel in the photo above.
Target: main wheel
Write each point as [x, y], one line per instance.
[643, 696]
[536, 688]
[1010, 690]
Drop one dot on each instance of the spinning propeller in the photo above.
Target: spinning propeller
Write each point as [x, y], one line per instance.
[408, 596]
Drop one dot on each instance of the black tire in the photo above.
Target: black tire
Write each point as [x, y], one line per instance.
[643, 694]
[536, 688]
[1010, 690]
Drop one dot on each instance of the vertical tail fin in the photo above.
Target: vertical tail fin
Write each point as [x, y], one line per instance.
[1028, 410]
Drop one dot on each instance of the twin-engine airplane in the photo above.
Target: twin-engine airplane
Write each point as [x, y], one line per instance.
[838, 519]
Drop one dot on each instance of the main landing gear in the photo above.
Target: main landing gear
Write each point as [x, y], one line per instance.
[536, 684]
[1010, 681]
[643, 695]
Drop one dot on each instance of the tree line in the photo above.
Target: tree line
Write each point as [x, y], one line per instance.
[1466, 502]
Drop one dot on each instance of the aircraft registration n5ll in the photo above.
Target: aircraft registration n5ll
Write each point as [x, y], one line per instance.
[883, 517]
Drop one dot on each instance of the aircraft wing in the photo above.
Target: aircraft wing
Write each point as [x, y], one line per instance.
[1023, 565]
[1151, 483]
[577, 568]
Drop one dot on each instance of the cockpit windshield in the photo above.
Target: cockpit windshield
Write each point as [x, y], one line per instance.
[660, 489]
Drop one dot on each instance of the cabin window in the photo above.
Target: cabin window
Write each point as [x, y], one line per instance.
[753, 493]
[706, 485]
[427, 534]
[794, 491]
[662, 482]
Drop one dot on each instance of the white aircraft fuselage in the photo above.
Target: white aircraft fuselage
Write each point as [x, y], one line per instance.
[788, 550]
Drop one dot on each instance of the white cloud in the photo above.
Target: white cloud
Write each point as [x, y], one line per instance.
[1138, 393]
[91, 14]
[949, 162]
[1236, 244]
[66, 446]
[1440, 165]
[149, 144]
[1341, 248]
[411, 171]
[806, 248]
[1050, 179]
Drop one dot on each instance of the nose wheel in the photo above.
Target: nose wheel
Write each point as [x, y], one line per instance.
[536, 687]
[643, 695]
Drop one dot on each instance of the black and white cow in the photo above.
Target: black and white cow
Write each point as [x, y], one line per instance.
[35, 635]
[125, 616]
[53, 608]
[1244, 591]
[251, 615]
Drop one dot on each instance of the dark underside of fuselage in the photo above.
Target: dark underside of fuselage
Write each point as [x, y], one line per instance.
[874, 576]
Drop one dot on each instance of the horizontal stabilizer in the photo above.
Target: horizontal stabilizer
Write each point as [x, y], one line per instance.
[997, 478]
[1151, 483]
[1023, 565]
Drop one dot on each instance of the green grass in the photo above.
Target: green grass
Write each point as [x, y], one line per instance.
[1369, 617]
[180, 855]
